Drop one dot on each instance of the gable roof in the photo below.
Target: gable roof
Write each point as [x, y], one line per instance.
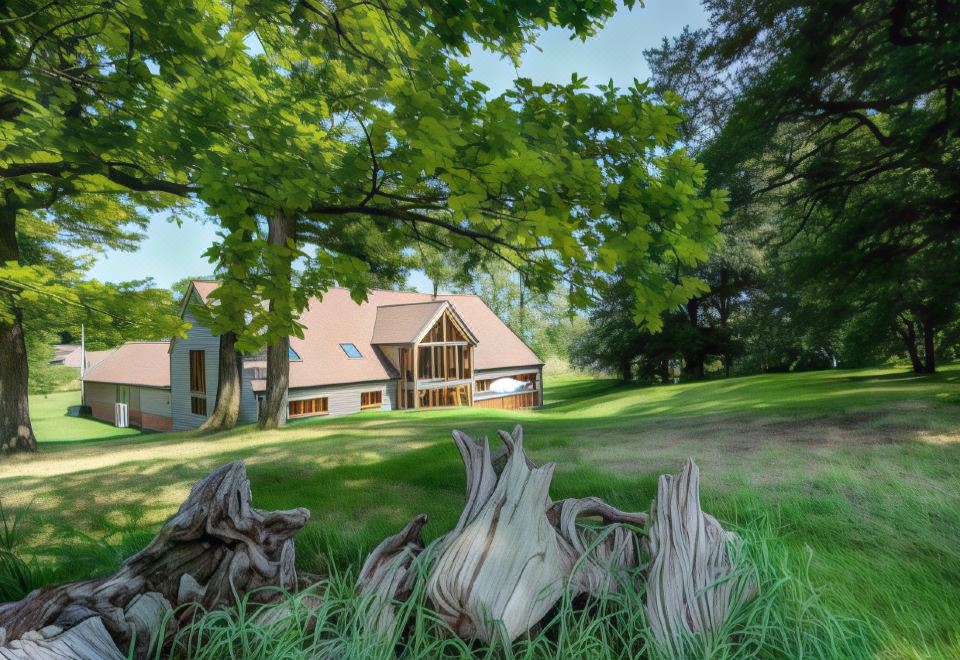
[144, 363]
[66, 354]
[408, 322]
[94, 358]
[337, 319]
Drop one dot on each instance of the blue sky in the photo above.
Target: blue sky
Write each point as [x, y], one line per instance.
[169, 252]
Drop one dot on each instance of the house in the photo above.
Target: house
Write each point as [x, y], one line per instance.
[137, 374]
[67, 355]
[397, 350]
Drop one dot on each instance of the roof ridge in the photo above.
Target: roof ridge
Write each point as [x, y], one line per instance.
[411, 304]
[374, 288]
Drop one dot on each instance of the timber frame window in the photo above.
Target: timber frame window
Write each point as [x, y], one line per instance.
[198, 383]
[437, 371]
[307, 407]
[371, 400]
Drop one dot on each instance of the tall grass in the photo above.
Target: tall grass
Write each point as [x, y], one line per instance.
[786, 619]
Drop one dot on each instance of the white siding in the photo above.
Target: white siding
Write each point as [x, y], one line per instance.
[155, 401]
[198, 338]
[503, 373]
[345, 399]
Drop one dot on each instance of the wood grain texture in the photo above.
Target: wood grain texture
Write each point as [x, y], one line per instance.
[216, 546]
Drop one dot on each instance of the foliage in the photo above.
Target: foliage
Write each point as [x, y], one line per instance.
[831, 125]
[547, 177]
[45, 377]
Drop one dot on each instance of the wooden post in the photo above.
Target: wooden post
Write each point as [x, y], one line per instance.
[416, 391]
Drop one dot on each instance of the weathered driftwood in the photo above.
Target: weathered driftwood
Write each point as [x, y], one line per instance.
[504, 569]
[216, 546]
[693, 584]
[513, 551]
[389, 573]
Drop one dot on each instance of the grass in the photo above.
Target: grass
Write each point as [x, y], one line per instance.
[857, 474]
[51, 424]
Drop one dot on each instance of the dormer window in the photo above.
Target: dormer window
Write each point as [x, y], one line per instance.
[352, 351]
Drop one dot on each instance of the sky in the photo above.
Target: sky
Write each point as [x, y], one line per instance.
[171, 252]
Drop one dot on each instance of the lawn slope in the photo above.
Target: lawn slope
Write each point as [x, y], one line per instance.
[857, 471]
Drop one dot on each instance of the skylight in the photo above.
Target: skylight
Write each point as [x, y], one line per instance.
[352, 351]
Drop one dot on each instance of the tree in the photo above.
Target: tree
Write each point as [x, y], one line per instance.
[840, 117]
[84, 150]
[347, 133]
[558, 181]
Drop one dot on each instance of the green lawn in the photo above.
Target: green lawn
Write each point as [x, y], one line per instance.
[858, 472]
[51, 424]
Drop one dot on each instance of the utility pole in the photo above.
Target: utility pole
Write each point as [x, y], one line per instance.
[83, 364]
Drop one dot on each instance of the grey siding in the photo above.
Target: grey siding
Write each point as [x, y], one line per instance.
[344, 399]
[104, 393]
[252, 368]
[199, 338]
[390, 395]
[155, 401]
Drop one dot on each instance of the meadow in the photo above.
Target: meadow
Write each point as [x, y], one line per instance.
[854, 474]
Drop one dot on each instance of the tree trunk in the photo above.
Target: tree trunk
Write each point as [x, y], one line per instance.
[281, 230]
[215, 549]
[929, 332]
[16, 432]
[626, 371]
[226, 411]
[908, 336]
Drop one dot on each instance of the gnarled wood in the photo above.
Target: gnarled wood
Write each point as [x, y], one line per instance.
[504, 570]
[512, 552]
[599, 558]
[389, 573]
[692, 584]
[216, 546]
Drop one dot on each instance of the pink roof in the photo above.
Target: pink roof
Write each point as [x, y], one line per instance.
[66, 354]
[338, 319]
[96, 357]
[145, 363]
[205, 288]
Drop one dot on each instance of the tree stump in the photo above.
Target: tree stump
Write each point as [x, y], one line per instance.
[513, 551]
[215, 547]
[693, 584]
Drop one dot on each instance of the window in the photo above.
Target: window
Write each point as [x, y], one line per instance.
[292, 354]
[198, 405]
[371, 399]
[198, 383]
[352, 351]
[484, 385]
[123, 394]
[307, 407]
